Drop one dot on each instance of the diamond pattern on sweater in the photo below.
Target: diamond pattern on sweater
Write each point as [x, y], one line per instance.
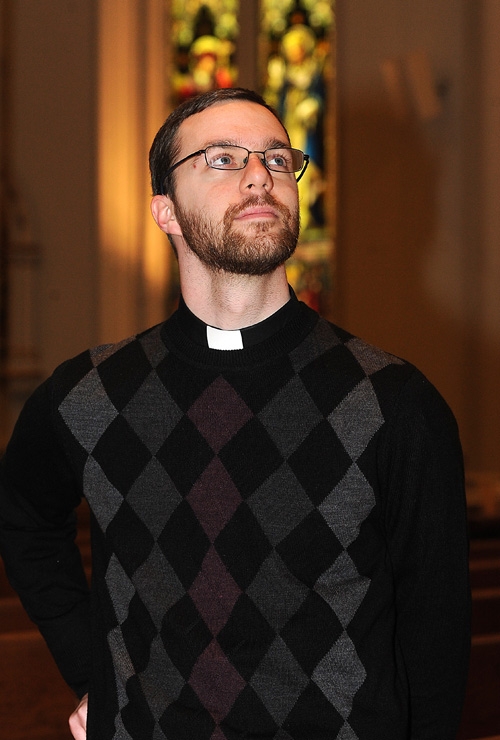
[184, 543]
[290, 416]
[132, 541]
[340, 674]
[316, 472]
[347, 733]
[313, 716]
[238, 638]
[153, 347]
[229, 511]
[135, 639]
[219, 413]
[371, 358]
[214, 498]
[158, 733]
[216, 681]
[343, 588]
[345, 372]
[250, 457]
[174, 454]
[242, 546]
[279, 681]
[249, 712]
[120, 436]
[120, 588]
[192, 721]
[124, 374]
[102, 352]
[121, 658]
[214, 592]
[88, 419]
[322, 340]
[310, 549]
[161, 694]
[121, 731]
[154, 497]
[276, 592]
[348, 505]
[280, 504]
[357, 418]
[152, 428]
[157, 585]
[218, 734]
[184, 635]
[282, 735]
[102, 496]
[311, 632]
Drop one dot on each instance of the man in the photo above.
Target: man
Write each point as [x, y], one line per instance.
[278, 516]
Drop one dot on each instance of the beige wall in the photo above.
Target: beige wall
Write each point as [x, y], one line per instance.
[53, 140]
[85, 102]
[418, 264]
[487, 325]
[133, 253]
[418, 243]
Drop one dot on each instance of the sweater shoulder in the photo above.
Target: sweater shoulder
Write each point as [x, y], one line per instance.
[112, 363]
[347, 370]
[353, 356]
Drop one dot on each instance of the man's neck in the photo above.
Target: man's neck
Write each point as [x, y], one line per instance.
[234, 301]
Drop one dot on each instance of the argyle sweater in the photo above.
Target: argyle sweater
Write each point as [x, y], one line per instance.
[279, 544]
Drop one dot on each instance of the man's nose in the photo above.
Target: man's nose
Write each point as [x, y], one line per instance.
[256, 174]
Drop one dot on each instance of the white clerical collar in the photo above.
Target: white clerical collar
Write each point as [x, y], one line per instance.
[224, 339]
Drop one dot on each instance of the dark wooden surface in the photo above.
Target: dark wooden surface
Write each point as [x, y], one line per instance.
[481, 716]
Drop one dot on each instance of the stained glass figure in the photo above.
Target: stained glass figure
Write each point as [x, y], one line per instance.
[297, 81]
[204, 36]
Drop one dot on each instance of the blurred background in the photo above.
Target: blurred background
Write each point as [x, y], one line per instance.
[398, 103]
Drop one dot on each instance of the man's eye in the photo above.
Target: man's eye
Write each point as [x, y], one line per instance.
[222, 160]
[279, 160]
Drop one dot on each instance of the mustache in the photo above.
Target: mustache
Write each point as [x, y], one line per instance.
[256, 200]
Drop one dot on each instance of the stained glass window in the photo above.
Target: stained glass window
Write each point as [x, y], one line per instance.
[297, 76]
[286, 53]
[204, 37]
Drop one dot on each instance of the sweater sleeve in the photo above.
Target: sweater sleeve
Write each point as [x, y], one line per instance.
[422, 475]
[38, 498]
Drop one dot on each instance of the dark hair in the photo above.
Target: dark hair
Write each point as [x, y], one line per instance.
[165, 147]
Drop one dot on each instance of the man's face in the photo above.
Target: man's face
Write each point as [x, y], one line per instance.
[241, 221]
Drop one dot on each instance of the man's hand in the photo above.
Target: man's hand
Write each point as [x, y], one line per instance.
[78, 720]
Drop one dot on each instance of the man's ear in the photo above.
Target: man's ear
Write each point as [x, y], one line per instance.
[163, 212]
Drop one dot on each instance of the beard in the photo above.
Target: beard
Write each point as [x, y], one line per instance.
[223, 248]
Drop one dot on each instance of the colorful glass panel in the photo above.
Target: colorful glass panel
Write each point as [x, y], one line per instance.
[297, 80]
[204, 37]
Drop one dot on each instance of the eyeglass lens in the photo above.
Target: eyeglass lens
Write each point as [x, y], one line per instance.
[280, 159]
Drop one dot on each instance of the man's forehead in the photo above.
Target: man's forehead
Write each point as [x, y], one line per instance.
[235, 122]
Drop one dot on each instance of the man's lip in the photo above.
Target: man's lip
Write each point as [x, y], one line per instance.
[257, 212]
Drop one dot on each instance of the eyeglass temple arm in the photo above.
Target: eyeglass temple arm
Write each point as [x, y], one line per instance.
[306, 162]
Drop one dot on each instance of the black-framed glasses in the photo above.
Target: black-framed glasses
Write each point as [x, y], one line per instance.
[278, 159]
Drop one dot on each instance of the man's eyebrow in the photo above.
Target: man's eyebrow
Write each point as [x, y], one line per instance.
[277, 144]
[270, 144]
[216, 142]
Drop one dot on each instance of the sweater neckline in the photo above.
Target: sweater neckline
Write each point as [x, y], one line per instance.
[206, 335]
[289, 334]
